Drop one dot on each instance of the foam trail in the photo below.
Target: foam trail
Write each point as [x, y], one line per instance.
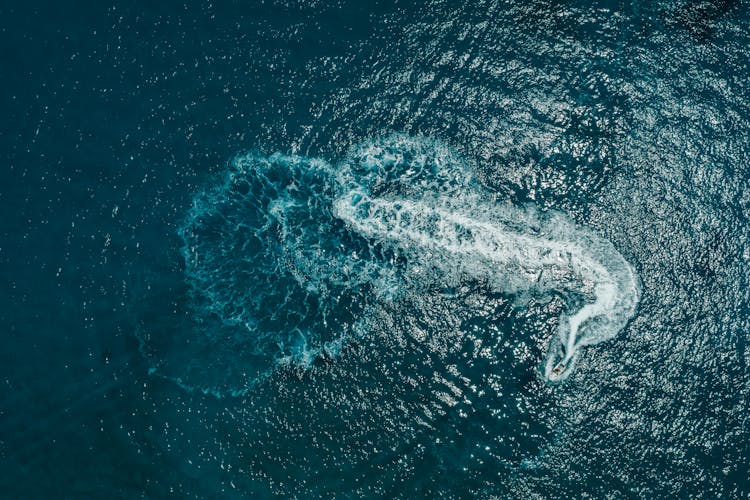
[286, 255]
[447, 238]
[558, 258]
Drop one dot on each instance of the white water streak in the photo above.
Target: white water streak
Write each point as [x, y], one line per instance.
[473, 239]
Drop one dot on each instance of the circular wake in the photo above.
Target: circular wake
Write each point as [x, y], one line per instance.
[287, 255]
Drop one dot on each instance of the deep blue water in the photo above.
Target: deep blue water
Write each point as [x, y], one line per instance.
[335, 249]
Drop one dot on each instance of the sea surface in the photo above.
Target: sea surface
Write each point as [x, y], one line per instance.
[375, 249]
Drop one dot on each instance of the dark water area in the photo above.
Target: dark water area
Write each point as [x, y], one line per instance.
[191, 307]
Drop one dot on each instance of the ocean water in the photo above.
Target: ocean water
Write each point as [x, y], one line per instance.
[301, 249]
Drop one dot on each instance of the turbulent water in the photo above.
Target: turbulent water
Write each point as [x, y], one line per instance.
[387, 249]
[427, 205]
[287, 253]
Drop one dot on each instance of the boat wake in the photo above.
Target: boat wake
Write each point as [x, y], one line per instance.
[448, 228]
[288, 253]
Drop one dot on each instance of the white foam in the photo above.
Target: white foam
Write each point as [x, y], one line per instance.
[286, 252]
[513, 250]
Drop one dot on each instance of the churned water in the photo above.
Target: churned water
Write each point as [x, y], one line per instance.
[375, 249]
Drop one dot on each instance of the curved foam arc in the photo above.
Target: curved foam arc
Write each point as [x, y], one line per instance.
[485, 245]
[287, 255]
